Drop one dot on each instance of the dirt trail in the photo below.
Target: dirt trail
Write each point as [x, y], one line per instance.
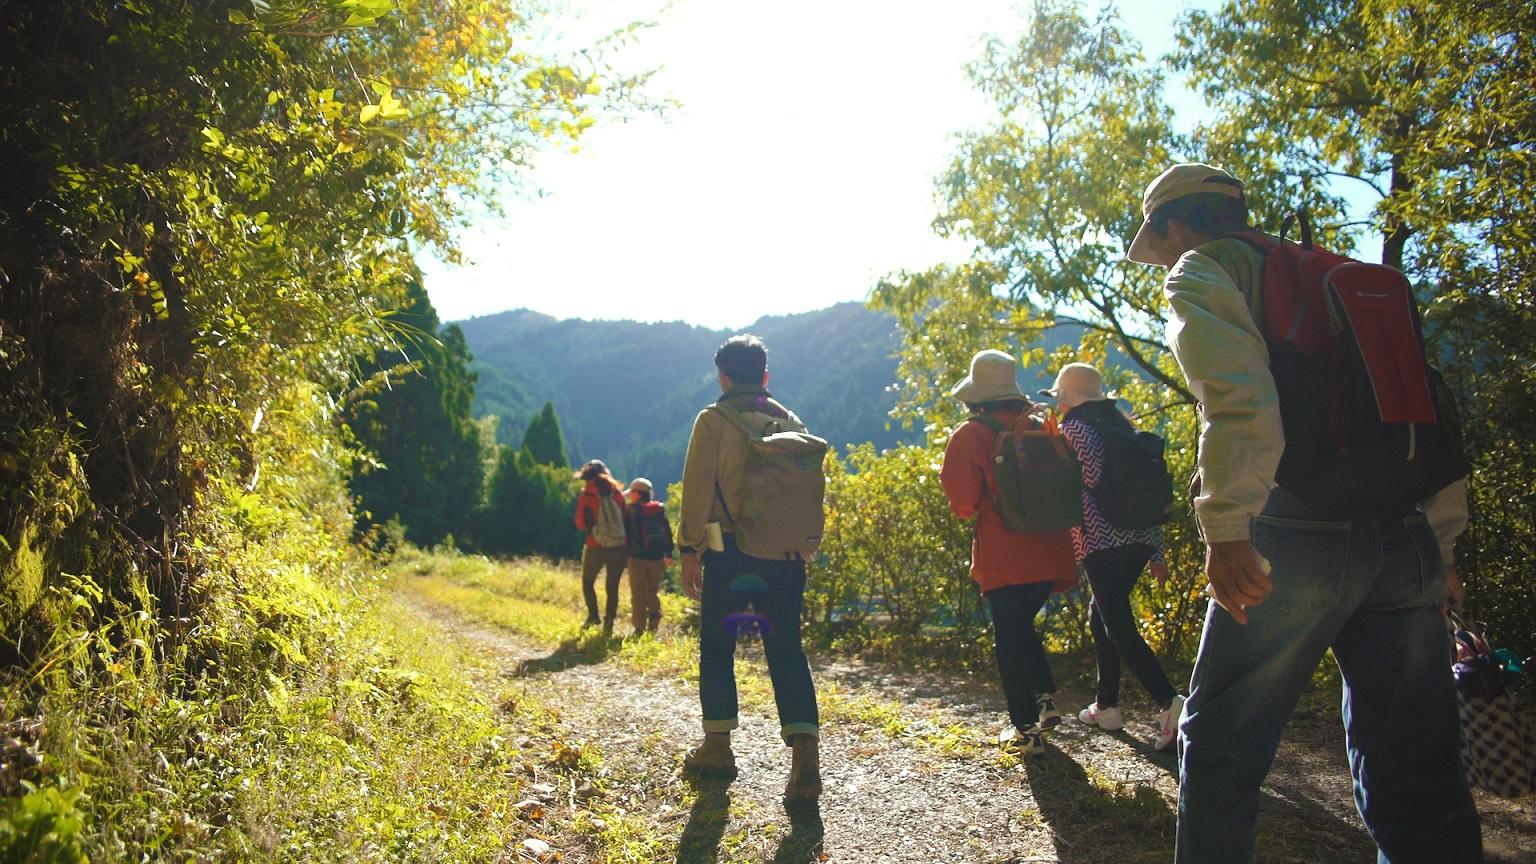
[1094, 797]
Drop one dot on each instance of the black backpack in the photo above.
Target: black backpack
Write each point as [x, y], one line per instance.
[1135, 488]
[650, 534]
[1368, 422]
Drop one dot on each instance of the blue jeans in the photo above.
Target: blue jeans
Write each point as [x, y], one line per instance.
[1369, 588]
[776, 591]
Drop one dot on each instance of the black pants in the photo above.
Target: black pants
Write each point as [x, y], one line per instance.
[1021, 663]
[1112, 573]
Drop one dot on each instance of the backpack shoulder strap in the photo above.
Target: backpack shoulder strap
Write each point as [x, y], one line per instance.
[989, 421]
[739, 419]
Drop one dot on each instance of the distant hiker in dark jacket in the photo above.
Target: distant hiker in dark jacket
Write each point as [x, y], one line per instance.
[600, 504]
[1113, 557]
[650, 553]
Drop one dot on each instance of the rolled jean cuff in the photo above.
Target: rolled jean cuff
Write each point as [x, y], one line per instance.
[790, 730]
[728, 725]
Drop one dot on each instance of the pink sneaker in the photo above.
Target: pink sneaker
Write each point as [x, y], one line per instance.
[1108, 719]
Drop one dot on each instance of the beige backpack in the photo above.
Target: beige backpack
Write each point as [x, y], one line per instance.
[779, 514]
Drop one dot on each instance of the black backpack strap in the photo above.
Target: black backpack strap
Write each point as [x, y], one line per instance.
[989, 421]
[724, 506]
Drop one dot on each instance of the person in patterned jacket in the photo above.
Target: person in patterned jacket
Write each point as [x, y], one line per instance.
[1113, 558]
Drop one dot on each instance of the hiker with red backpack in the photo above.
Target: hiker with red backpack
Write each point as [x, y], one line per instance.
[1016, 560]
[1330, 487]
[752, 516]
[1124, 507]
[600, 513]
[650, 553]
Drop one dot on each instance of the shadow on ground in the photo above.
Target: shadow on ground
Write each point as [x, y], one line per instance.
[581, 651]
[711, 814]
[700, 840]
[1095, 819]
[804, 842]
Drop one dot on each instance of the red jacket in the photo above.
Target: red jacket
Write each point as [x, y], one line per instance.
[998, 556]
[586, 507]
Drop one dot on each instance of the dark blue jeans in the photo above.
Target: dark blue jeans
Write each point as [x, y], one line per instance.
[776, 591]
[1370, 589]
[1112, 573]
[1021, 661]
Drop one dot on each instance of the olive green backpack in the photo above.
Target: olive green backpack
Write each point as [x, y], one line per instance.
[1039, 481]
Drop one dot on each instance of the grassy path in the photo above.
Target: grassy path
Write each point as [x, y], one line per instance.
[908, 772]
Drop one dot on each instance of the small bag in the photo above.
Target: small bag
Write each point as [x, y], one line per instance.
[609, 531]
[1498, 743]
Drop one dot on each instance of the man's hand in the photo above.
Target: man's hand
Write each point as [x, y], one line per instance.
[1159, 571]
[1239, 577]
[1453, 589]
[693, 575]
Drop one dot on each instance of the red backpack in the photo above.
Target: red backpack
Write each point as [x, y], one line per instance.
[1368, 422]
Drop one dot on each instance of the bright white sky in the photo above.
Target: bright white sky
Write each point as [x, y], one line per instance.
[798, 170]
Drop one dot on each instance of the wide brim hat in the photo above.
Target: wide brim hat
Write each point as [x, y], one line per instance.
[1077, 383]
[1186, 178]
[993, 377]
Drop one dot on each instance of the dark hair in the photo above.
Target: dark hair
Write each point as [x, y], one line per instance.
[743, 359]
[1210, 213]
[594, 469]
[1013, 403]
[641, 495]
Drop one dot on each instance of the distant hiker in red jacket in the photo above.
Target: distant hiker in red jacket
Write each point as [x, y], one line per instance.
[650, 553]
[600, 513]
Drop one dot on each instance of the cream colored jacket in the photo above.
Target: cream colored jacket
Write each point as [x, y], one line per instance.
[1224, 358]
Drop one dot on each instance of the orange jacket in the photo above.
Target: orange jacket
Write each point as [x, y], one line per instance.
[998, 556]
[586, 507]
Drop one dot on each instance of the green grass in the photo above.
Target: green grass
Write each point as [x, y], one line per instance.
[309, 716]
[542, 600]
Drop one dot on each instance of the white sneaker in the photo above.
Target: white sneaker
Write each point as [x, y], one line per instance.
[1023, 742]
[1108, 719]
[1168, 723]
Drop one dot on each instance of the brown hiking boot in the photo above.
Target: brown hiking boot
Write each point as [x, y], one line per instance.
[713, 758]
[804, 769]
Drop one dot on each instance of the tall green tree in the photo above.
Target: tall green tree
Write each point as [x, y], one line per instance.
[1424, 107]
[207, 207]
[529, 509]
[1049, 195]
[543, 439]
[413, 421]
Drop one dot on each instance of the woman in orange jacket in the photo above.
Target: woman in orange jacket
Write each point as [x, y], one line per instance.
[1017, 572]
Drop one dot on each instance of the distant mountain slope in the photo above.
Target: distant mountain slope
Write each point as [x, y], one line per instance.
[627, 392]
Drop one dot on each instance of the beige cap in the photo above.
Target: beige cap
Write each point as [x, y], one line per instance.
[992, 377]
[640, 484]
[1077, 383]
[1186, 178]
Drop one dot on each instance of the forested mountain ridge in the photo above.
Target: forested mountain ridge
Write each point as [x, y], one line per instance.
[627, 392]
